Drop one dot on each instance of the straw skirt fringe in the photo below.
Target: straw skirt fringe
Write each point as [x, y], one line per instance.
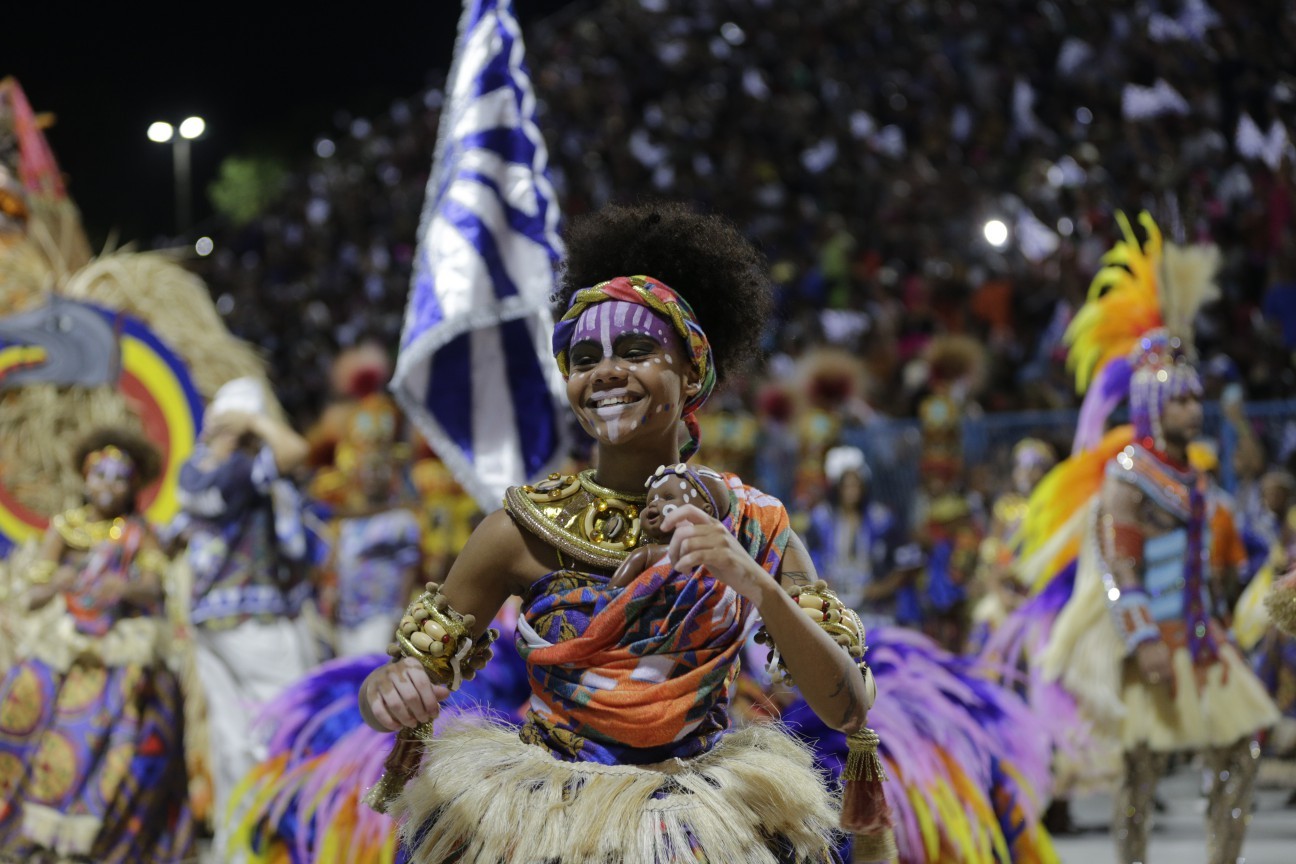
[484, 797]
[1226, 705]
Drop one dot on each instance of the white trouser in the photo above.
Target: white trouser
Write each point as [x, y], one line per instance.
[242, 669]
[370, 636]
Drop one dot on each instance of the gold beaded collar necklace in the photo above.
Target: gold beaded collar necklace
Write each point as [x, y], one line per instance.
[579, 518]
[81, 532]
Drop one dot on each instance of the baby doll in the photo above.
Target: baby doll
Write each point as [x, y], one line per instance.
[669, 487]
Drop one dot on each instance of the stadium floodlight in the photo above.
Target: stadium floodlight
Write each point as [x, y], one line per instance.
[192, 127]
[160, 132]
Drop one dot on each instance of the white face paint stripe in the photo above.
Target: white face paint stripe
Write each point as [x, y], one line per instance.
[622, 309]
[605, 329]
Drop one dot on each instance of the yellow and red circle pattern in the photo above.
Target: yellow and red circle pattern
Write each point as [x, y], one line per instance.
[158, 388]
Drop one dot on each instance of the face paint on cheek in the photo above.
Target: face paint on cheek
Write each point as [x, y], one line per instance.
[674, 383]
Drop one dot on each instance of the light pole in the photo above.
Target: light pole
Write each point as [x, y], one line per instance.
[161, 132]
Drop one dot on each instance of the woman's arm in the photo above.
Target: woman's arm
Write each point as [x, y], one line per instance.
[494, 564]
[826, 675]
[1121, 537]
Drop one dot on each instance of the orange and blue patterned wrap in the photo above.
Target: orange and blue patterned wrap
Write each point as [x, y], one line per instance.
[640, 674]
[661, 300]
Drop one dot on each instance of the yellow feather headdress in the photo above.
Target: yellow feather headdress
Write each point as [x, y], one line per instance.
[1133, 338]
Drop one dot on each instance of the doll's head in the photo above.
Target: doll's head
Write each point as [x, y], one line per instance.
[673, 486]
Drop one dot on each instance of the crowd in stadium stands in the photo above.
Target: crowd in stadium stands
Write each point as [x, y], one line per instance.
[864, 145]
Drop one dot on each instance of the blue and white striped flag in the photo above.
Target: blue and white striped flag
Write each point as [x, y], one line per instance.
[475, 372]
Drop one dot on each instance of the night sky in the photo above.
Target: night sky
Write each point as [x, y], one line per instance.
[268, 78]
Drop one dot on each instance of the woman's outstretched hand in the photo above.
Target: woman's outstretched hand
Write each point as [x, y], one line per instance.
[699, 540]
[400, 695]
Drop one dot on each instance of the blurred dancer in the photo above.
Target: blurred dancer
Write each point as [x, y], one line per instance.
[91, 723]
[855, 542]
[1273, 652]
[247, 548]
[1139, 643]
[376, 537]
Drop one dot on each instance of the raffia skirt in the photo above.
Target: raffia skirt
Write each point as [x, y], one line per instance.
[1214, 705]
[485, 797]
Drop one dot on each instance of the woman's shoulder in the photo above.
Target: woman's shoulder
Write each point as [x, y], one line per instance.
[499, 532]
[500, 545]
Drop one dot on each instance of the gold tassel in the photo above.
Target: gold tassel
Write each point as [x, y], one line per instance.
[862, 762]
[865, 812]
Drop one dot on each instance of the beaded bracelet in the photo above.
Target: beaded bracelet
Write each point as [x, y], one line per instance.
[441, 639]
[838, 620]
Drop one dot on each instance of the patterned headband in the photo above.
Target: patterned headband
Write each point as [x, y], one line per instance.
[646, 291]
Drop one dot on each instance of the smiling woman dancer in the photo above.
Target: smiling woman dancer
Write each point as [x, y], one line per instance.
[624, 755]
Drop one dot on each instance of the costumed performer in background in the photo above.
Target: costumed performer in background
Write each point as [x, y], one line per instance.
[944, 523]
[856, 542]
[620, 752]
[1139, 643]
[124, 340]
[91, 719]
[375, 537]
[248, 552]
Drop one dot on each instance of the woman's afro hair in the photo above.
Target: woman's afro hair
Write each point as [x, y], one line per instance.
[702, 257]
[143, 455]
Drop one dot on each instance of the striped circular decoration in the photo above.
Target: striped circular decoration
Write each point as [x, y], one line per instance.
[158, 389]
